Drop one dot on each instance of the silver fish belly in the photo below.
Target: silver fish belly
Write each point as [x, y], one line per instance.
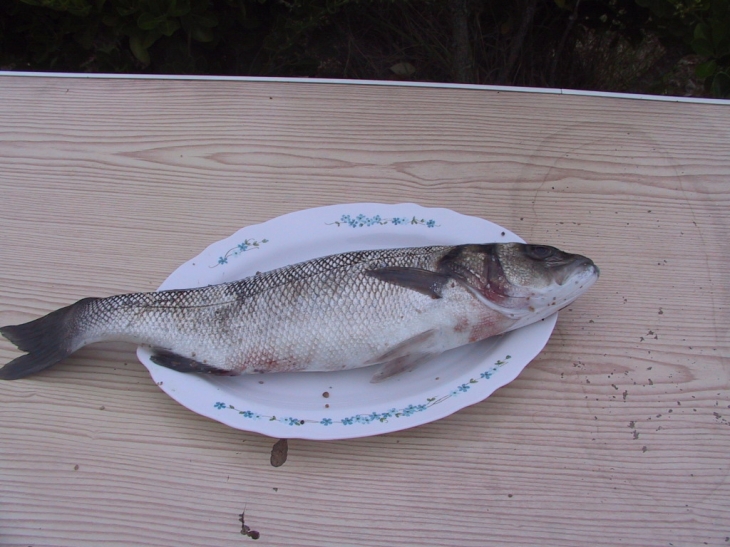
[393, 307]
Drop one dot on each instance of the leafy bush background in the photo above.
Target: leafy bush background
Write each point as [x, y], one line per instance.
[679, 47]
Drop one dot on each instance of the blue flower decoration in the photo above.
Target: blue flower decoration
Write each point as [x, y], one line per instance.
[247, 245]
[409, 410]
[375, 417]
[361, 220]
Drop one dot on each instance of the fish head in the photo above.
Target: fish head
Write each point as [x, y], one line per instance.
[538, 280]
[522, 281]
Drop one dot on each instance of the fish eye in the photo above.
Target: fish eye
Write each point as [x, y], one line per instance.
[539, 252]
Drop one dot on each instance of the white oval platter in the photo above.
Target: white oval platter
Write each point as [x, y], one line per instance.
[342, 405]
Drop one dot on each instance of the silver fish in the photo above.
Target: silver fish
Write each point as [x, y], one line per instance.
[392, 307]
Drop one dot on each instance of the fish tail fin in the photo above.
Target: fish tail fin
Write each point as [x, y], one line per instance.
[46, 340]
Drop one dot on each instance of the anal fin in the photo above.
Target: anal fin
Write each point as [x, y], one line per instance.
[179, 363]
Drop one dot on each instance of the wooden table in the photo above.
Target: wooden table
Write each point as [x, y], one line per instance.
[617, 434]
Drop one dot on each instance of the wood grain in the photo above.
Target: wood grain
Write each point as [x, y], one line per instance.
[617, 434]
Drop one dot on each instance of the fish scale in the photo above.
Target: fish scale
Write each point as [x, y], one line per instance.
[330, 306]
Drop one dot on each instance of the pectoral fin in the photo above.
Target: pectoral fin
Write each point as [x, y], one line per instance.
[179, 363]
[423, 281]
[406, 356]
[402, 364]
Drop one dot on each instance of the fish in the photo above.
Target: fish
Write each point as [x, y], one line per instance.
[394, 308]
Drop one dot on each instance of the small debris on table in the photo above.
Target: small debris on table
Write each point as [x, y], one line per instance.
[279, 453]
[245, 528]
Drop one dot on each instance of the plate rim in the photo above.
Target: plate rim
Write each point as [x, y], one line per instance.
[283, 427]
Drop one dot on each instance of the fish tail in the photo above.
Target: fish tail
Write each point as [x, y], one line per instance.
[46, 340]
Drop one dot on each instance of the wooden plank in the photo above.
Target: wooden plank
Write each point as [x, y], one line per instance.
[617, 434]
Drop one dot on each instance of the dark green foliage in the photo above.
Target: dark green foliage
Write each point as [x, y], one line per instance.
[128, 35]
[566, 43]
[704, 25]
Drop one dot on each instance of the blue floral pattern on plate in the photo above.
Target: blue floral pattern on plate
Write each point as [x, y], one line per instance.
[373, 417]
[361, 221]
[244, 246]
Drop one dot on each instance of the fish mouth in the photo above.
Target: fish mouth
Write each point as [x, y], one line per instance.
[582, 264]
